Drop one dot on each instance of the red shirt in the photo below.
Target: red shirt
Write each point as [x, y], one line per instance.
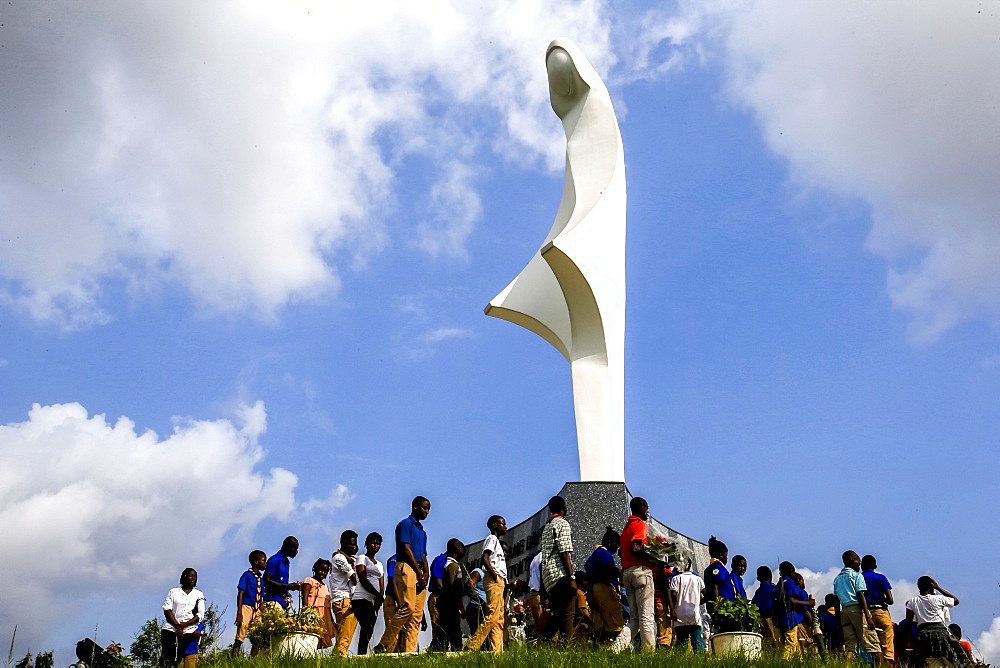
[635, 529]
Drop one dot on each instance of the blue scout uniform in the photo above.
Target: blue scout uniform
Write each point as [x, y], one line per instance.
[717, 574]
[738, 585]
[250, 585]
[785, 614]
[763, 598]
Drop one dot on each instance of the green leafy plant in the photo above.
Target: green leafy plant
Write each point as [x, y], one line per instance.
[272, 622]
[145, 647]
[738, 615]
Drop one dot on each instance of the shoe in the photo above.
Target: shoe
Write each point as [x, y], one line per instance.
[379, 649]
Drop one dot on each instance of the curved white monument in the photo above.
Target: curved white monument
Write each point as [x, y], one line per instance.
[572, 292]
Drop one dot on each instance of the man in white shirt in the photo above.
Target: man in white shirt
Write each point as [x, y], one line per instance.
[342, 581]
[495, 565]
[535, 591]
[687, 591]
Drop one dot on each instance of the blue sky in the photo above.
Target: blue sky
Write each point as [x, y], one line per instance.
[244, 252]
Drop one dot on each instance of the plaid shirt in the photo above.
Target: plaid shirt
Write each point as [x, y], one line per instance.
[556, 539]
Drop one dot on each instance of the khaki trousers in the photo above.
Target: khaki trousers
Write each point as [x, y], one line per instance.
[493, 626]
[607, 608]
[664, 625]
[797, 640]
[538, 611]
[772, 636]
[432, 611]
[408, 614]
[883, 621]
[856, 631]
[346, 624]
[388, 610]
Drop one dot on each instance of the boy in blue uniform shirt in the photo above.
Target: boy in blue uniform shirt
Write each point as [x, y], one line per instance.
[763, 598]
[249, 597]
[434, 587]
[189, 651]
[833, 634]
[879, 598]
[739, 570]
[276, 585]
[788, 612]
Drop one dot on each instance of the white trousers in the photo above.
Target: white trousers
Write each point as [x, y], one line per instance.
[638, 581]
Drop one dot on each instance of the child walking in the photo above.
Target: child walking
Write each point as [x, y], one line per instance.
[494, 581]
[316, 595]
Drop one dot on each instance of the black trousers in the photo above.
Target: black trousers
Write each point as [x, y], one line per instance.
[366, 614]
[562, 602]
[448, 630]
[171, 646]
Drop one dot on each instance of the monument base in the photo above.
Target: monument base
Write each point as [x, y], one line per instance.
[591, 507]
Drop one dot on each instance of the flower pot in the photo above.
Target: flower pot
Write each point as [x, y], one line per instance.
[737, 643]
[295, 644]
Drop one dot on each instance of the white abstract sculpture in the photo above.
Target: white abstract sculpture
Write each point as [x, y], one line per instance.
[572, 292]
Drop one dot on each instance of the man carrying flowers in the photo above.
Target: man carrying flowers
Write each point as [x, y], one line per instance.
[637, 576]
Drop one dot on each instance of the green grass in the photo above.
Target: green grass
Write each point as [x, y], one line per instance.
[519, 656]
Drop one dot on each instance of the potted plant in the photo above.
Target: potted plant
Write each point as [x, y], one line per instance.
[286, 631]
[736, 628]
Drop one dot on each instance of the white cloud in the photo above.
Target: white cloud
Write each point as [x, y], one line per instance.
[455, 209]
[338, 497]
[445, 333]
[92, 507]
[894, 103]
[247, 151]
[988, 643]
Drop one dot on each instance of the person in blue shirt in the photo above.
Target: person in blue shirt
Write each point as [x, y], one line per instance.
[855, 617]
[434, 584]
[391, 600]
[763, 598]
[189, 650]
[718, 581]
[276, 584]
[879, 598]
[833, 634]
[603, 574]
[788, 611]
[249, 597]
[412, 573]
[739, 570]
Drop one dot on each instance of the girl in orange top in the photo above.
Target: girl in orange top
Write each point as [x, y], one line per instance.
[316, 595]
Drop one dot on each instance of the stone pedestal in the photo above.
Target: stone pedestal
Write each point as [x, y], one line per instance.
[590, 508]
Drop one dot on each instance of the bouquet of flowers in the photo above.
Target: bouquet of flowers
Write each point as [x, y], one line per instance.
[520, 623]
[273, 621]
[662, 549]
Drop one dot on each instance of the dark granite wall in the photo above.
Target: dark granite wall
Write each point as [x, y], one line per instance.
[590, 508]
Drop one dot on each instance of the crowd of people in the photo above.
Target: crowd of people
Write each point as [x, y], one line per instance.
[626, 596]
